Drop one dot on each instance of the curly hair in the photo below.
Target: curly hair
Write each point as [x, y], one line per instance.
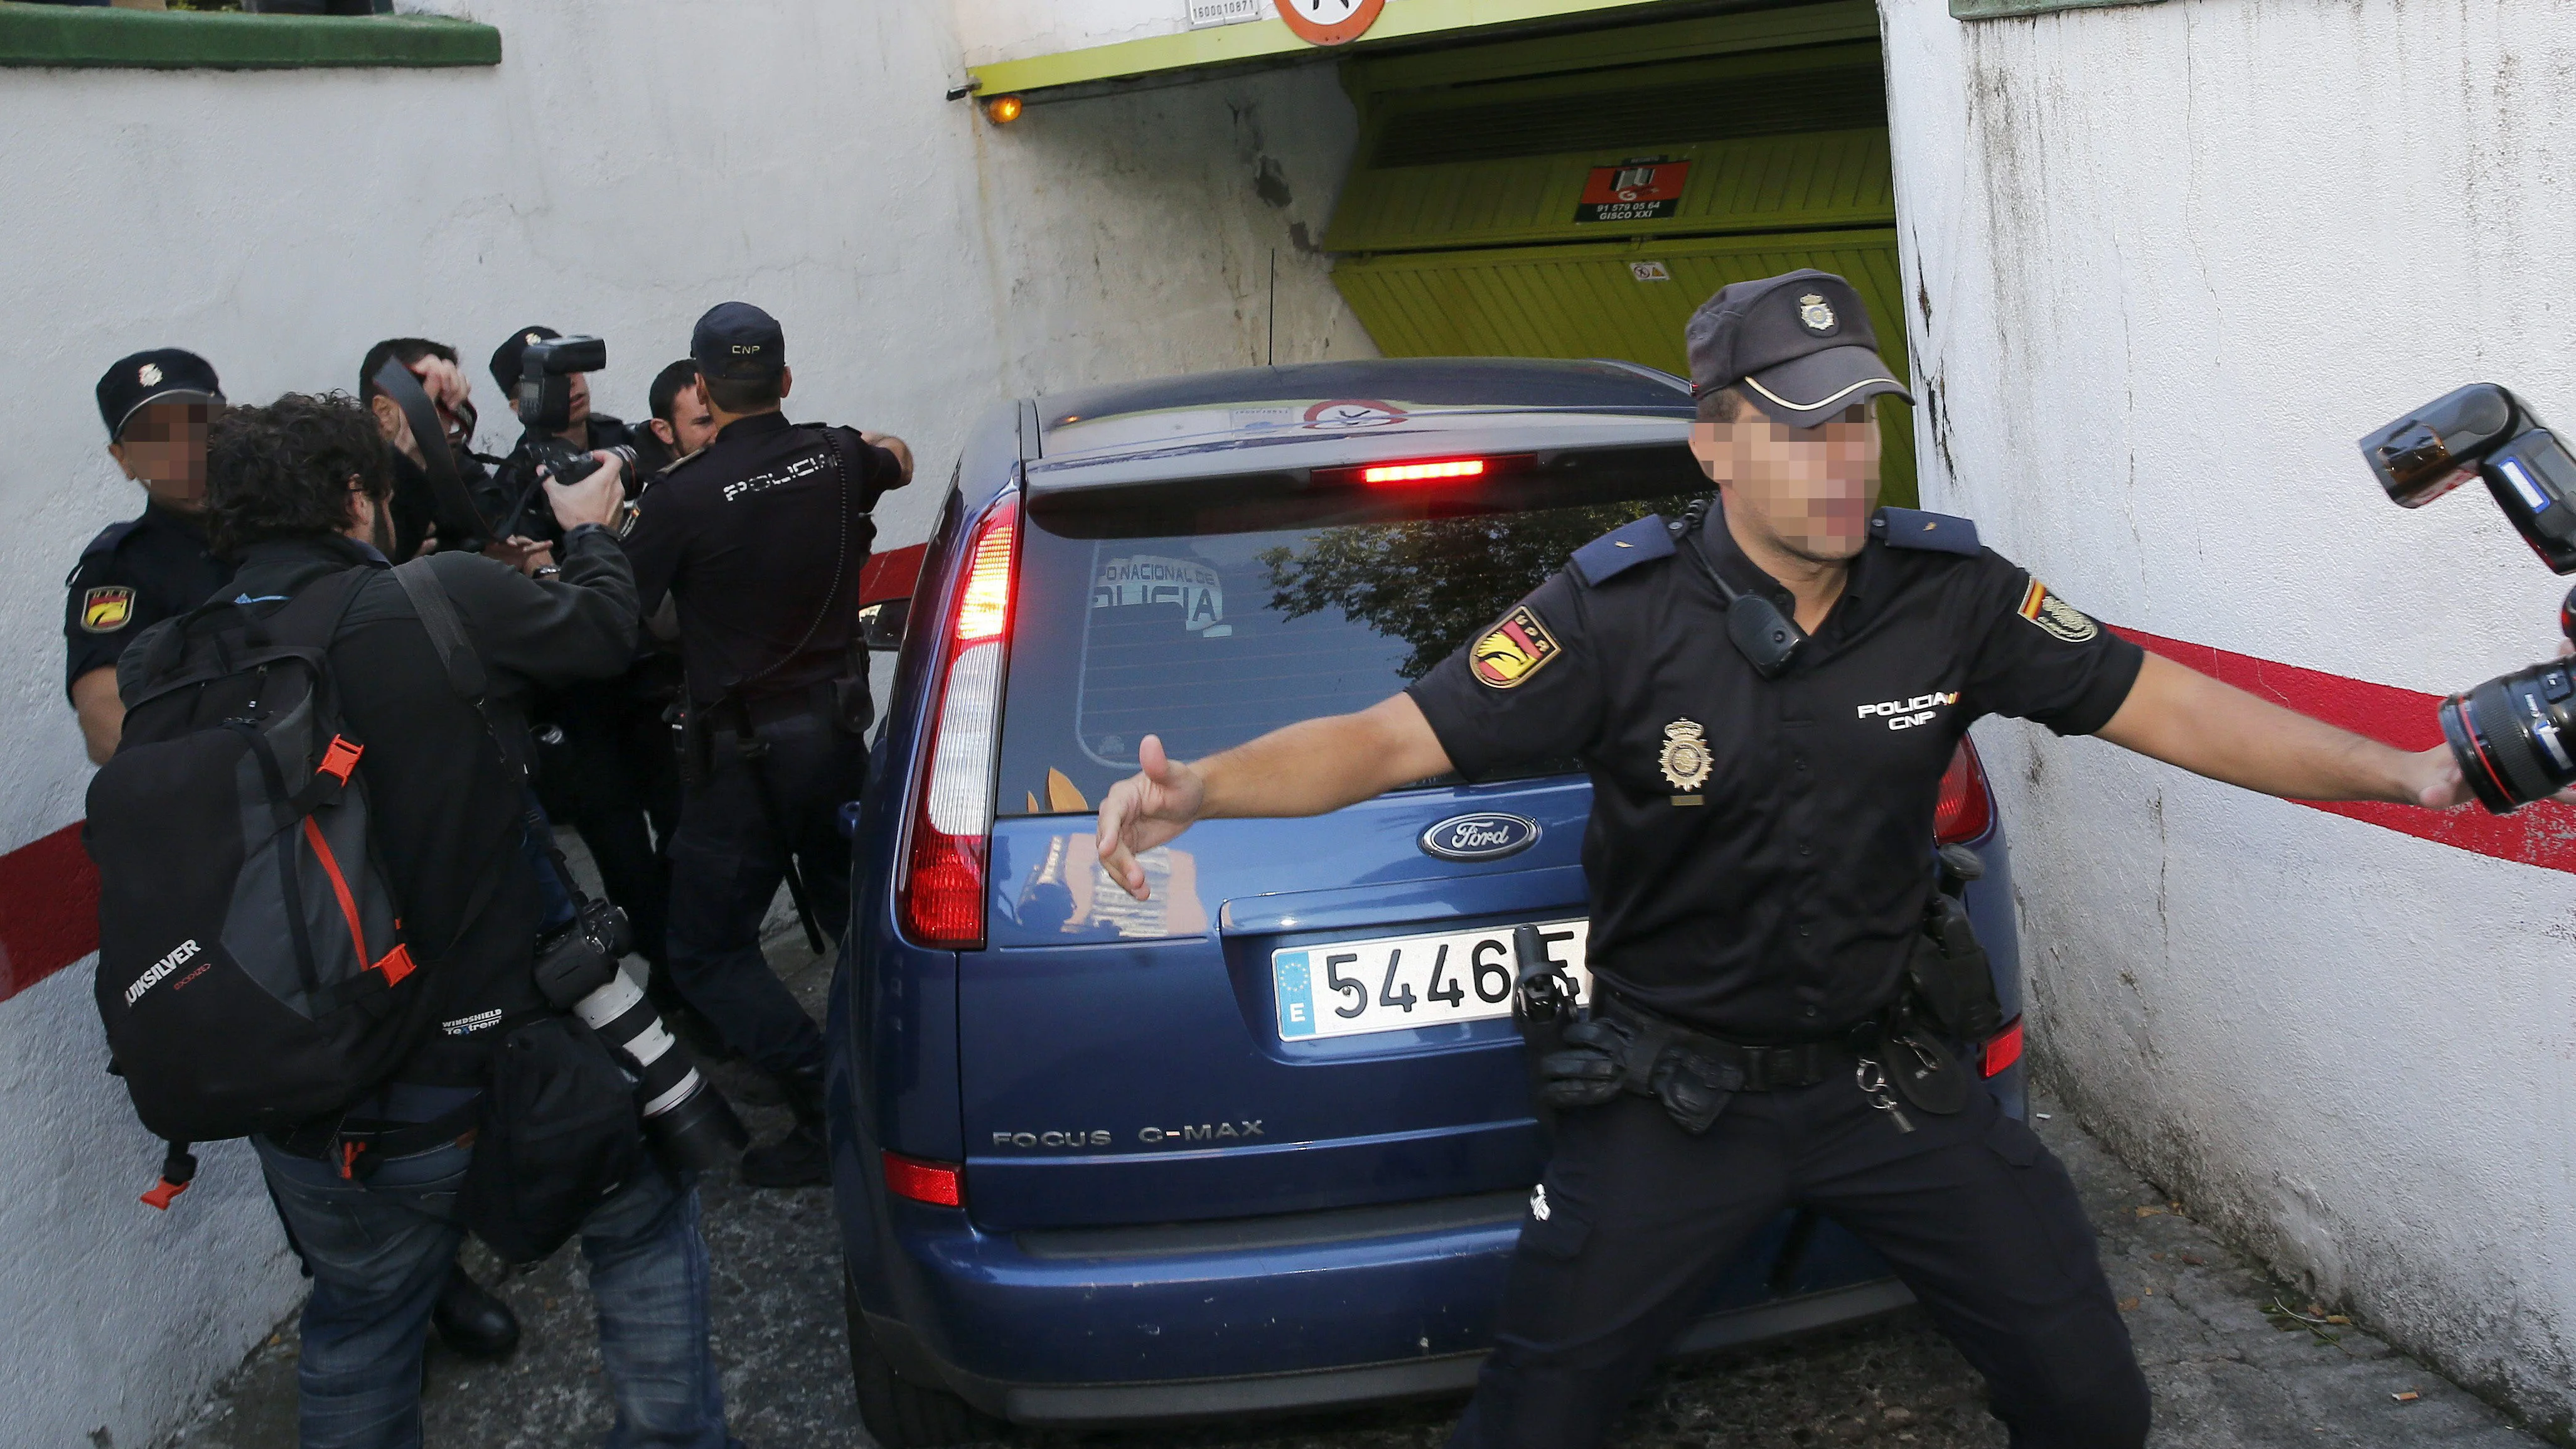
[284, 470]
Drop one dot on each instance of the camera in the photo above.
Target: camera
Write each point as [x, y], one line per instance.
[544, 398]
[2515, 736]
[688, 1122]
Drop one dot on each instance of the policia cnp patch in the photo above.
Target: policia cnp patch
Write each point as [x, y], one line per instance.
[104, 610]
[2056, 617]
[1513, 650]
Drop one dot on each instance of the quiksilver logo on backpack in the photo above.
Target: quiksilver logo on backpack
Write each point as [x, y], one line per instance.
[154, 974]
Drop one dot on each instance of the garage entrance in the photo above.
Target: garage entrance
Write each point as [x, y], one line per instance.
[1579, 195]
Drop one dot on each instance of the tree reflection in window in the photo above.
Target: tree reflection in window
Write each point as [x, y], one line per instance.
[1434, 582]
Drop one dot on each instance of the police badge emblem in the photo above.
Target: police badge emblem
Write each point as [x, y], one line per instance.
[106, 610]
[1686, 759]
[149, 374]
[1512, 651]
[1816, 313]
[2056, 617]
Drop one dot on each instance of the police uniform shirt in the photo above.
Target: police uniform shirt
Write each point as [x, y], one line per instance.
[745, 534]
[1759, 851]
[132, 576]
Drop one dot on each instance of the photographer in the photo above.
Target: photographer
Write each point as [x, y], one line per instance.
[681, 424]
[300, 493]
[434, 363]
[520, 511]
[604, 763]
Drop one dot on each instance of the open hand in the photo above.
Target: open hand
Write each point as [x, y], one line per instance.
[1146, 809]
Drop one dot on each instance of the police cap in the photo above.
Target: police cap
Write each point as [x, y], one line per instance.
[738, 342]
[507, 364]
[165, 374]
[1799, 345]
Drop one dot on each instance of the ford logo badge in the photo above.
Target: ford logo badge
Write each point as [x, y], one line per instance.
[1480, 837]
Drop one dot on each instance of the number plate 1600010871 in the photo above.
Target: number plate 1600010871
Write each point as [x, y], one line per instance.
[1350, 988]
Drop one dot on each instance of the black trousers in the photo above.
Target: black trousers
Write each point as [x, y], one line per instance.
[727, 862]
[1639, 1218]
[614, 779]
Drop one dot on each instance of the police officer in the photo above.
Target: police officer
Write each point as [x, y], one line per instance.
[139, 572]
[1759, 869]
[157, 406]
[759, 538]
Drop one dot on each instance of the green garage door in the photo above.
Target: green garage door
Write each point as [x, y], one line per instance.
[1580, 196]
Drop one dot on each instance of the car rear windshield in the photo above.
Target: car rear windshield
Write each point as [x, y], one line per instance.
[1209, 627]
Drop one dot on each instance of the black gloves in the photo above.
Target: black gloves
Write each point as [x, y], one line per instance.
[1604, 1056]
[1592, 1068]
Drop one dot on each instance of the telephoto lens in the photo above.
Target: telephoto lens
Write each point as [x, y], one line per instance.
[2515, 737]
[688, 1122]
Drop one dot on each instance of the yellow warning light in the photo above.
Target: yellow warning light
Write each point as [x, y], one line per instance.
[1003, 110]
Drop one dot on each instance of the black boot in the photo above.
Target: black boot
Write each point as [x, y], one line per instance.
[799, 1159]
[473, 1322]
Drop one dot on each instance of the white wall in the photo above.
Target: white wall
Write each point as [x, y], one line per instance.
[2169, 263]
[994, 30]
[626, 166]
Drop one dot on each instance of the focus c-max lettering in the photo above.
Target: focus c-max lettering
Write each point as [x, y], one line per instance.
[1241, 1130]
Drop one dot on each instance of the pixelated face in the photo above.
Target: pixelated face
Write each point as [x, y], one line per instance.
[1811, 490]
[163, 447]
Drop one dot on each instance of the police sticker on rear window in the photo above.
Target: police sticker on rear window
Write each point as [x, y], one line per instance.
[1141, 580]
[2059, 618]
[1513, 650]
[105, 610]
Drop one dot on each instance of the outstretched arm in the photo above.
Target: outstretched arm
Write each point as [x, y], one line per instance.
[1309, 768]
[2186, 718]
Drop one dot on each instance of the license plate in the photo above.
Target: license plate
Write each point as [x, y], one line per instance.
[1351, 988]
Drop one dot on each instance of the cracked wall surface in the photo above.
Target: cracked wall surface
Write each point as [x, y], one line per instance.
[626, 166]
[2169, 262]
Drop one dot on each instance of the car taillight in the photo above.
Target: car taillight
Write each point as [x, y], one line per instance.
[940, 1184]
[943, 878]
[1967, 809]
[2002, 1049]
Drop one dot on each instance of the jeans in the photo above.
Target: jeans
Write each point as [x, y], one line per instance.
[379, 1248]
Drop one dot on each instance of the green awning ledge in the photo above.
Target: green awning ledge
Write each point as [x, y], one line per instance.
[1256, 40]
[75, 36]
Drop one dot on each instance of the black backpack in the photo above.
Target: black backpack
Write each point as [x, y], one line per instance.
[252, 970]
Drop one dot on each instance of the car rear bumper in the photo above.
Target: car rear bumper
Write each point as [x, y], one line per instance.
[1101, 1326]
[1111, 1405]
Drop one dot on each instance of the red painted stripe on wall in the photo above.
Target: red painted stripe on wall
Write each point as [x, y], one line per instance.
[48, 909]
[49, 889]
[2543, 834]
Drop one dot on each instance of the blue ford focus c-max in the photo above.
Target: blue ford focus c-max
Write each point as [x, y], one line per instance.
[1259, 1144]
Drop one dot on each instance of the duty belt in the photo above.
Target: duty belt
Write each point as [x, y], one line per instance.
[1763, 1068]
[743, 716]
